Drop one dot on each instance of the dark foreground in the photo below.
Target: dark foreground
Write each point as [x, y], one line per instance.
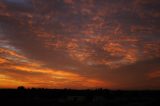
[66, 97]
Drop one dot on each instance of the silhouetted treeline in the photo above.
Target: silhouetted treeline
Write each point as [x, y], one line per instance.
[70, 97]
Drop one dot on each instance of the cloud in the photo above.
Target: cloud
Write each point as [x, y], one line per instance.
[95, 39]
[136, 75]
[33, 74]
[17, 69]
[154, 74]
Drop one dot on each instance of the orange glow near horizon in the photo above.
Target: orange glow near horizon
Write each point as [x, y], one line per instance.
[44, 77]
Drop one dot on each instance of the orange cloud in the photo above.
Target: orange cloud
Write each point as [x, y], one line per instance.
[84, 36]
[34, 74]
[2, 60]
[154, 74]
[6, 52]
[52, 78]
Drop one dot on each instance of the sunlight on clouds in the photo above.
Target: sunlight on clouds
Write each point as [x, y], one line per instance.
[44, 76]
[7, 82]
[124, 55]
[2, 60]
[73, 43]
[154, 74]
[65, 77]
[11, 53]
[3, 77]
[115, 49]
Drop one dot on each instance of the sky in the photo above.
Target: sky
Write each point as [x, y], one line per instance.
[80, 44]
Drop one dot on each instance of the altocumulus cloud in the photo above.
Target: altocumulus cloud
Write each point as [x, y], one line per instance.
[68, 42]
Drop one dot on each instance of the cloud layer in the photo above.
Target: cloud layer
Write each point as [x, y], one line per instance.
[80, 44]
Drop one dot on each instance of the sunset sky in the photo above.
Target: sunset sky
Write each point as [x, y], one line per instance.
[80, 44]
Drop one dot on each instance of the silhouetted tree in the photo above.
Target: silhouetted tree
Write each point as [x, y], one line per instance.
[21, 88]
